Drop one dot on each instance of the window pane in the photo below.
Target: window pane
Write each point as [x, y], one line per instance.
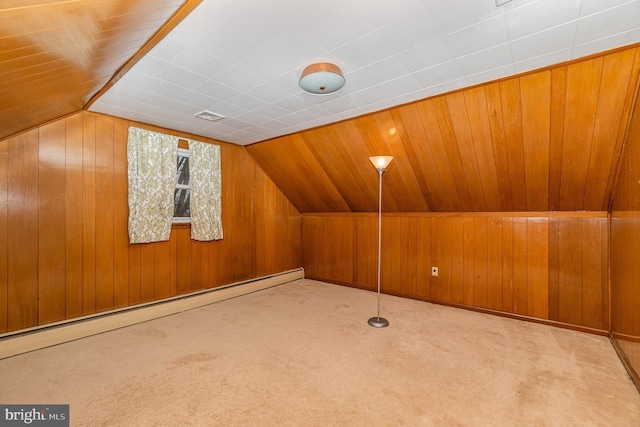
[181, 207]
[183, 170]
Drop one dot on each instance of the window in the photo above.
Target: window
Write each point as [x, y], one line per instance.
[182, 194]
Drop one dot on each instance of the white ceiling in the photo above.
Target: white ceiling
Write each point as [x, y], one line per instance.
[243, 58]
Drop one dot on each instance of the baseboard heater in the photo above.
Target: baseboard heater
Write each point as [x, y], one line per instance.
[27, 340]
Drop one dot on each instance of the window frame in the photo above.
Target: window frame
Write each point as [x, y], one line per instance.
[182, 152]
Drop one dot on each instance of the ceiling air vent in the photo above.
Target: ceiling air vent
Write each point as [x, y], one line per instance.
[208, 115]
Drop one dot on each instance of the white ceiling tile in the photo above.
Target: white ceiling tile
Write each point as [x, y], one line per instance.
[216, 90]
[439, 74]
[535, 17]
[486, 60]
[267, 65]
[247, 101]
[363, 51]
[168, 48]
[149, 64]
[225, 44]
[544, 42]
[453, 15]
[543, 61]
[478, 37]
[239, 79]
[426, 55]
[384, 70]
[409, 31]
[597, 26]
[399, 86]
[622, 39]
[589, 7]
[199, 61]
[489, 75]
[179, 76]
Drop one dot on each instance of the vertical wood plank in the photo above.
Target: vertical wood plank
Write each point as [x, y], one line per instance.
[496, 121]
[467, 229]
[453, 152]
[22, 245]
[51, 222]
[494, 263]
[455, 252]
[558, 108]
[537, 268]
[73, 215]
[583, 83]
[365, 252]
[520, 266]
[161, 270]
[536, 112]
[480, 260]
[554, 269]
[507, 265]
[88, 213]
[4, 210]
[104, 213]
[445, 261]
[593, 298]
[423, 241]
[147, 272]
[135, 274]
[512, 122]
[183, 245]
[120, 215]
[570, 275]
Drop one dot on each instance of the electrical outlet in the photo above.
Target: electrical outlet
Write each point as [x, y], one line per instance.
[434, 271]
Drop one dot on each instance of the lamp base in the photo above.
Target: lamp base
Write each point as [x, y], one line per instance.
[378, 322]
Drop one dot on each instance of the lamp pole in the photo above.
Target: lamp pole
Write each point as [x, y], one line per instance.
[380, 163]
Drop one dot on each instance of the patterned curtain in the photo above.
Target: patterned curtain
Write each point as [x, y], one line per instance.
[152, 159]
[206, 183]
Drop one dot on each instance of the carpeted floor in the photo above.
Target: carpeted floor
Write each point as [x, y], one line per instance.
[302, 354]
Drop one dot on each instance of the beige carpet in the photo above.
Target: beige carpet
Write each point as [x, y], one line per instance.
[302, 354]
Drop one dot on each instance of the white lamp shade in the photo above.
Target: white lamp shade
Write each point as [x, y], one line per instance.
[322, 78]
[381, 162]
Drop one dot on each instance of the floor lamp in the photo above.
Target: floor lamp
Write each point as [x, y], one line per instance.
[380, 163]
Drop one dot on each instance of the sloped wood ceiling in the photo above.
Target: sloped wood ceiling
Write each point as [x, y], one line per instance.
[57, 54]
[545, 141]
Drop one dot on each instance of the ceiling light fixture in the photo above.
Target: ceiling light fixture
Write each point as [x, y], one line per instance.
[321, 78]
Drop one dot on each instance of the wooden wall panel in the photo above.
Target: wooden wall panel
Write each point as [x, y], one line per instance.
[492, 260]
[542, 141]
[51, 233]
[104, 212]
[73, 215]
[88, 213]
[22, 236]
[625, 247]
[4, 210]
[64, 249]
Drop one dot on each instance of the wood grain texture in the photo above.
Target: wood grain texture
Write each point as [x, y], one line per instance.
[541, 141]
[493, 261]
[57, 55]
[625, 246]
[64, 249]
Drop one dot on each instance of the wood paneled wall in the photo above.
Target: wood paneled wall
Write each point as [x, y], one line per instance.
[625, 249]
[64, 249]
[544, 141]
[545, 265]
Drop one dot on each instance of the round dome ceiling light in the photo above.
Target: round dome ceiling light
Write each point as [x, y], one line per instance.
[321, 78]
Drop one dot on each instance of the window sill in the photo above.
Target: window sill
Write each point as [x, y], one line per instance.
[181, 225]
